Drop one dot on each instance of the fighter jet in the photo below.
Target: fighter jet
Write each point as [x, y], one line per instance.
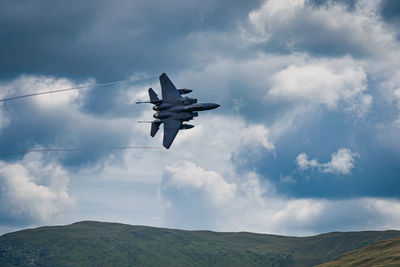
[173, 109]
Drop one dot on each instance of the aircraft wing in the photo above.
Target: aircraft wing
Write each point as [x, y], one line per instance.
[171, 128]
[168, 90]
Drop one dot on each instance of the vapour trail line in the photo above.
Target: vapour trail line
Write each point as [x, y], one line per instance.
[79, 149]
[61, 90]
[75, 88]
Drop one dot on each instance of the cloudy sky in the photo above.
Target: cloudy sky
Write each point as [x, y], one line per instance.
[306, 139]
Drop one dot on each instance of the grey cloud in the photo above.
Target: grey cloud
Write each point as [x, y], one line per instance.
[45, 123]
[329, 28]
[201, 47]
[108, 40]
[247, 205]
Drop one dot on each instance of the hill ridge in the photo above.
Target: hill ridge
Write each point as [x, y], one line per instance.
[204, 230]
[94, 243]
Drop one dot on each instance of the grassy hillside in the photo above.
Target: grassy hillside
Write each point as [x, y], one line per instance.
[111, 244]
[383, 253]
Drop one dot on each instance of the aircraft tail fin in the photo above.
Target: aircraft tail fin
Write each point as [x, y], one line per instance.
[154, 128]
[153, 97]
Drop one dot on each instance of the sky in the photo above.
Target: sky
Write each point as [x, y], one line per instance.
[305, 140]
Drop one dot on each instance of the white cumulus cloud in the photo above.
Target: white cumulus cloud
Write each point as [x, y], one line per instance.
[298, 25]
[304, 163]
[186, 175]
[198, 198]
[341, 162]
[319, 83]
[34, 191]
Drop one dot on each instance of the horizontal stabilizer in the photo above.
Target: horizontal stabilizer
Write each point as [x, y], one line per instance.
[154, 128]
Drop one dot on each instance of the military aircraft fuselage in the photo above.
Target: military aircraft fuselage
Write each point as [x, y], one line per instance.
[185, 106]
[173, 109]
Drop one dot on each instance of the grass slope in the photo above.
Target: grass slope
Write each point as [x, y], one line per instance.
[112, 244]
[383, 253]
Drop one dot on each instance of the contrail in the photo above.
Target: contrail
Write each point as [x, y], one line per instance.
[61, 90]
[76, 88]
[79, 149]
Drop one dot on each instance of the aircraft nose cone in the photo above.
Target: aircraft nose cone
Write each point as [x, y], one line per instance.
[212, 105]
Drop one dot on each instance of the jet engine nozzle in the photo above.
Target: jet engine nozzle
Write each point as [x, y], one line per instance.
[162, 115]
[162, 106]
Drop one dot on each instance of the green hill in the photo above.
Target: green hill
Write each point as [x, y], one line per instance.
[112, 244]
[383, 253]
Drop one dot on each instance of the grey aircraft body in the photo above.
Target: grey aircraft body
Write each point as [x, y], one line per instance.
[173, 109]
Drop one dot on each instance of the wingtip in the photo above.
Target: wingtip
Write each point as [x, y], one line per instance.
[166, 145]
